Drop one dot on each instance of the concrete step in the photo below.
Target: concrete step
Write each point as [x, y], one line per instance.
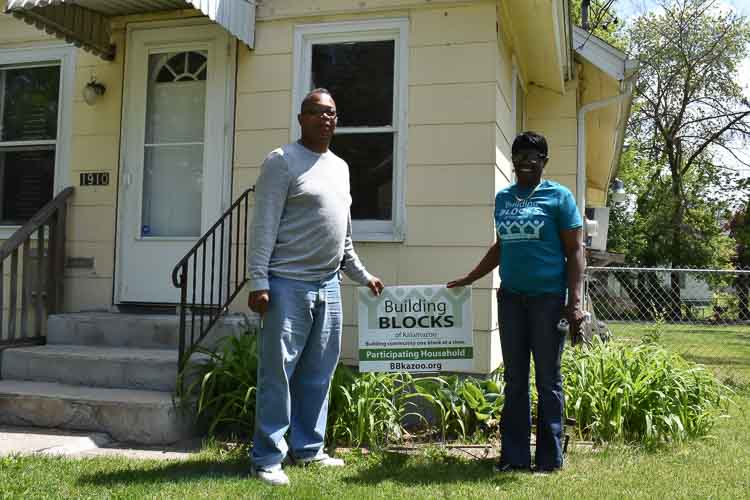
[95, 366]
[145, 331]
[132, 416]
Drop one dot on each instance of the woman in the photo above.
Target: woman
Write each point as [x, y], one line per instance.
[541, 257]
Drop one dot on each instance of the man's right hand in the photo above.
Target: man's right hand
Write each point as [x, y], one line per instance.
[258, 301]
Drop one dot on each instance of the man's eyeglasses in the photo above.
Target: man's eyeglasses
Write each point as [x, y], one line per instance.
[320, 112]
[531, 157]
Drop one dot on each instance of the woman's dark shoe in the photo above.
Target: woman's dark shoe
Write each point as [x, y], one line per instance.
[546, 470]
[502, 467]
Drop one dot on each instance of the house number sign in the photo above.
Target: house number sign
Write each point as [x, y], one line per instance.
[94, 178]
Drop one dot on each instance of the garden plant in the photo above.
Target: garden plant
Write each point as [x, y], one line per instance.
[615, 392]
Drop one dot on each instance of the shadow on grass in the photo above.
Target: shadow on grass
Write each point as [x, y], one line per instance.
[168, 472]
[719, 330]
[716, 361]
[416, 471]
[719, 334]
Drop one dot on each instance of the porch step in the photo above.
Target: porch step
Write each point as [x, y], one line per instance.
[145, 331]
[105, 372]
[95, 366]
[134, 416]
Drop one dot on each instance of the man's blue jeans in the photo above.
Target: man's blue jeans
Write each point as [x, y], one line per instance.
[528, 325]
[298, 350]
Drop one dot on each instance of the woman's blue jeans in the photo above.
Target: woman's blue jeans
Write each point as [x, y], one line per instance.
[298, 350]
[528, 326]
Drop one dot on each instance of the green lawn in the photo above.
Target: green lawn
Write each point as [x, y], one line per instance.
[716, 467]
[723, 348]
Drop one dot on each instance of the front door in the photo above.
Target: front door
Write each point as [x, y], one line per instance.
[175, 161]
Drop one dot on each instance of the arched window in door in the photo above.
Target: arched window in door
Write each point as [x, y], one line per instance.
[174, 144]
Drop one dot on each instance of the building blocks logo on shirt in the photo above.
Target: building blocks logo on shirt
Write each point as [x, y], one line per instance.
[515, 231]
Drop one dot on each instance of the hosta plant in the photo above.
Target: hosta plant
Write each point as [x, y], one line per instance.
[464, 406]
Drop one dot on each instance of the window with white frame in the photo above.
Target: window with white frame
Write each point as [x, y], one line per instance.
[519, 102]
[31, 84]
[363, 65]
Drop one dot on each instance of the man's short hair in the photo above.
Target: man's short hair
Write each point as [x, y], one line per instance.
[308, 97]
[530, 140]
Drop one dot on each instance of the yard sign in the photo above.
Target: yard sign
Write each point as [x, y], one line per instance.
[415, 329]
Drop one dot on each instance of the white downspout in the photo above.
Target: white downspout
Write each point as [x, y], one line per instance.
[581, 166]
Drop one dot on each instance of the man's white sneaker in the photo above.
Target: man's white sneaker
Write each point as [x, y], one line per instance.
[322, 459]
[273, 475]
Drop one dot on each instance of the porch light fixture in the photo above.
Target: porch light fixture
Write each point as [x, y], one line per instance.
[92, 91]
[618, 191]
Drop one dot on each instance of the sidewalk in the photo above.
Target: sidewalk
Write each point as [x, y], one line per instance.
[35, 440]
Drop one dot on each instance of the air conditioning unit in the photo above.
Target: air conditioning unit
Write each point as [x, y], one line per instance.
[597, 227]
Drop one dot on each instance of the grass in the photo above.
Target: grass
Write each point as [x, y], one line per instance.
[723, 348]
[715, 467]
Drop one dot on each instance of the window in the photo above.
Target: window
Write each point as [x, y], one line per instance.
[31, 131]
[519, 100]
[363, 65]
[174, 146]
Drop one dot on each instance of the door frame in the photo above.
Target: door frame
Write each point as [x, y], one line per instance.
[225, 138]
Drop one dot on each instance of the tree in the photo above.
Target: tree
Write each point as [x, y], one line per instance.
[739, 230]
[640, 228]
[687, 109]
[602, 21]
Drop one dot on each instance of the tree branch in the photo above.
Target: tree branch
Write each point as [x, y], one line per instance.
[713, 138]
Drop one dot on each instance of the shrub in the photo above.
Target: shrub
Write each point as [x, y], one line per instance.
[615, 392]
[639, 394]
[225, 382]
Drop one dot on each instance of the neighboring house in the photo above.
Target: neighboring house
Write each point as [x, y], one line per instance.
[693, 289]
[192, 107]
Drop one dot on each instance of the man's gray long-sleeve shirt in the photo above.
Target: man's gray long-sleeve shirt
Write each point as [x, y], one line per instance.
[301, 226]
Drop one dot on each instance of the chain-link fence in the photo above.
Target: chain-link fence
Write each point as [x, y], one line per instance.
[702, 314]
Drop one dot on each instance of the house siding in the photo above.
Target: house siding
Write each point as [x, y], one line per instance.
[554, 115]
[460, 126]
[601, 143]
[94, 147]
[93, 209]
[451, 122]
[17, 34]
[504, 132]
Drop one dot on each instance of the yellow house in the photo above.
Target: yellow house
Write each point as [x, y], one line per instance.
[159, 114]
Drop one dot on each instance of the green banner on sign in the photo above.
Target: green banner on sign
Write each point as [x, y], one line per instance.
[415, 354]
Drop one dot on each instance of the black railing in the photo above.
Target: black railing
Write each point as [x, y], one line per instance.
[211, 275]
[38, 277]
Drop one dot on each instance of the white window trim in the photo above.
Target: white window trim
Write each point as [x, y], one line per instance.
[518, 79]
[359, 31]
[65, 55]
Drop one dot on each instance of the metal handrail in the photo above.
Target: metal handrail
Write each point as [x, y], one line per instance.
[215, 287]
[49, 221]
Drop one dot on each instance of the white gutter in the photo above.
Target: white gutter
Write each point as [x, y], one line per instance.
[581, 166]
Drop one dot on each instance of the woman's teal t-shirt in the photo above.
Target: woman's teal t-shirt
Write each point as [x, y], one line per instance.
[528, 225]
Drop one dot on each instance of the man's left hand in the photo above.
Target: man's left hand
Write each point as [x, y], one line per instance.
[375, 285]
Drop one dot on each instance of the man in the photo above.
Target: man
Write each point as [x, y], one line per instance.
[541, 257]
[300, 240]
